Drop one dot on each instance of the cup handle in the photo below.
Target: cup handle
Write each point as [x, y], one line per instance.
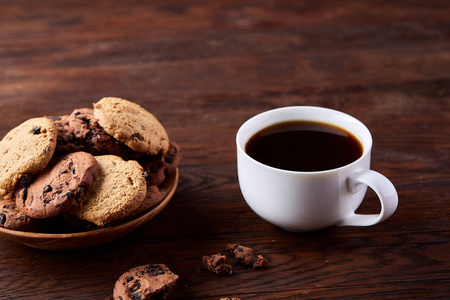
[382, 187]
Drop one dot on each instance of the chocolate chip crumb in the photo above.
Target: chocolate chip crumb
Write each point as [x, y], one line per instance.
[245, 255]
[241, 253]
[261, 262]
[216, 263]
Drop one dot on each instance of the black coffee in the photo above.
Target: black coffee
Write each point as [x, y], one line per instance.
[304, 146]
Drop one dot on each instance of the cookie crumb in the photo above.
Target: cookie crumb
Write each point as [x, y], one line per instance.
[261, 262]
[242, 253]
[216, 263]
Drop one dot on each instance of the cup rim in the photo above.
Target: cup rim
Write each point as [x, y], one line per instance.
[366, 149]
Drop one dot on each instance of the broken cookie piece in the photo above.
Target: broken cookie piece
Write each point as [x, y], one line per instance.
[153, 281]
[261, 262]
[242, 253]
[216, 263]
[245, 255]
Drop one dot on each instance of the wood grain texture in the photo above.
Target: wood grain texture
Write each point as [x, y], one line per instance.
[203, 68]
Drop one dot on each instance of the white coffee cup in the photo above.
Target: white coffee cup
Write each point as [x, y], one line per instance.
[305, 201]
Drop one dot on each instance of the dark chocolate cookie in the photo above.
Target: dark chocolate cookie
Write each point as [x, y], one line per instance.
[57, 188]
[145, 282]
[153, 197]
[157, 167]
[80, 131]
[11, 218]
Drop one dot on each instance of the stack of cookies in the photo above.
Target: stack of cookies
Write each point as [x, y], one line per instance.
[90, 169]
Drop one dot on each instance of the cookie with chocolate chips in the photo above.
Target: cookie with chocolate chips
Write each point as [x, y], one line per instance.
[80, 131]
[153, 196]
[24, 151]
[132, 125]
[58, 187]
[118, 190]
[11, 218]
[153, 281]
[158, 167]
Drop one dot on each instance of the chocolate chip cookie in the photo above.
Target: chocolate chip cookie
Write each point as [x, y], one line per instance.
[57, 188]
[132, 125]
[153, 196]
[157, 167]
[11, 218]
[118, 190]
[25, 150]
[153, 281]
[80, 131]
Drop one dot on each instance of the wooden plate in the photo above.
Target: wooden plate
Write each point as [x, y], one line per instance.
[81, 240]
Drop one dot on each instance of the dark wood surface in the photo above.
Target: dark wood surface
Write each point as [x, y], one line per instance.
[203, 68]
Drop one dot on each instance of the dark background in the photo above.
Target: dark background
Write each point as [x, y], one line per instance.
[203, 68]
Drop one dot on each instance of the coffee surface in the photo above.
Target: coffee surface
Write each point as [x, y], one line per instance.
[305, 146]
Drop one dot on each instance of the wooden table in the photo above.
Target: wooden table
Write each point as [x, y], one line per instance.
[203, 68]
